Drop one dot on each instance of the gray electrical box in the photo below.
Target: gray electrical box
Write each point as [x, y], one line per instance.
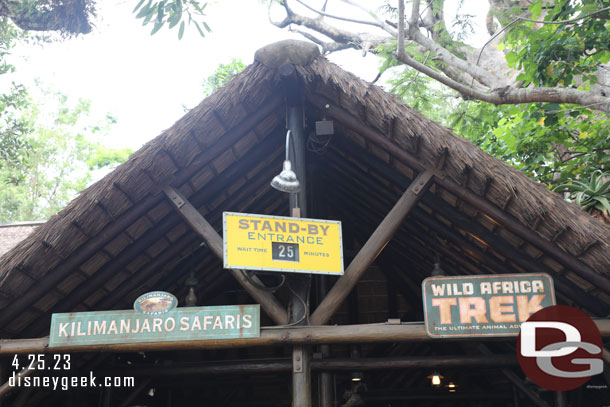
[325, 128]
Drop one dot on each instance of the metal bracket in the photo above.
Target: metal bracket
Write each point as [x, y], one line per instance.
[422, 180]
[297, 360]
[175, 197]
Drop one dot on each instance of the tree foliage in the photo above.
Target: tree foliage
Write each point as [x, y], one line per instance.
[74, 17]
[172, 13]
[222, 75]
[69, 17]
[14, 128]
[53, 159]
[535, 95]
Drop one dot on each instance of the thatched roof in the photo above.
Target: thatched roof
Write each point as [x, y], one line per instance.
[120, 237]
[13, 233]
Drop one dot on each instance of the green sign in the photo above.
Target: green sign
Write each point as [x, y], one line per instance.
[131, 326]
[489, 305]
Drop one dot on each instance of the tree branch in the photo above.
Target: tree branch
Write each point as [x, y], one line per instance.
[461, 74]
[383, 24]
[378, 24]
[444, 55]
[573, 20]
[502, 96]
[414, 15]
[336, 34]
[327, 47]
[401, 27]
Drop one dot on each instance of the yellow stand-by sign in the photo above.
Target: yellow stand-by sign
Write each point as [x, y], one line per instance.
[274, 243]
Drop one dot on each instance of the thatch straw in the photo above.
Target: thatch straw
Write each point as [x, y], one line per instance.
[191, 140]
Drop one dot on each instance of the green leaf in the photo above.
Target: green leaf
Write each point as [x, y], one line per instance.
[138, 6]
[604, 188]
[156, 28]
[536, 9]
[173, 20]
[181, 30]
[160, 11]
[199, 29]
[512, 58]
[605, 204]
[145, 11]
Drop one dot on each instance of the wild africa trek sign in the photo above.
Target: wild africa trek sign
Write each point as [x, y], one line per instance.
[488, 305]
[154, 319]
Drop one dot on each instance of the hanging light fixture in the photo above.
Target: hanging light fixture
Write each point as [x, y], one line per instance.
[437, 270]
[287, 180]
[191, 283]
[435, 379]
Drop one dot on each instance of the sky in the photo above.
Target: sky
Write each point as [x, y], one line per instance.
[146, 81]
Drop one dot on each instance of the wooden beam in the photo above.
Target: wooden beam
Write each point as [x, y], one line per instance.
[113, 229]
[371, 249]
[517, 381]
[606, 355]
[515, 255]
[6, 388]
[333, 364]
[136, 392]
[19, 304]
[270, 336]
[529, 393]
[139, 277]
[213, 240]
[480, 203]
[409, 394]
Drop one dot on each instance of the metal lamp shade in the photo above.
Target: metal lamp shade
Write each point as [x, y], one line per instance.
[287, 180]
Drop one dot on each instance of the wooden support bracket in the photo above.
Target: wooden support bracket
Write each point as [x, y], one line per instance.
[191, 215]
[369, 252]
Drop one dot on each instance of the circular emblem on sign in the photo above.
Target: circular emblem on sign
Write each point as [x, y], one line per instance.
[155, 303]
[559, 348]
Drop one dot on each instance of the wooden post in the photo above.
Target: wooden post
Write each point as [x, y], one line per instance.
[326, 396]
[560, 399]
[192, 216]
[298, 284]
[301, 376]
[371, 249]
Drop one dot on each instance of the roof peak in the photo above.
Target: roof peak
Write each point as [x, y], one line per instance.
[287, 52]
